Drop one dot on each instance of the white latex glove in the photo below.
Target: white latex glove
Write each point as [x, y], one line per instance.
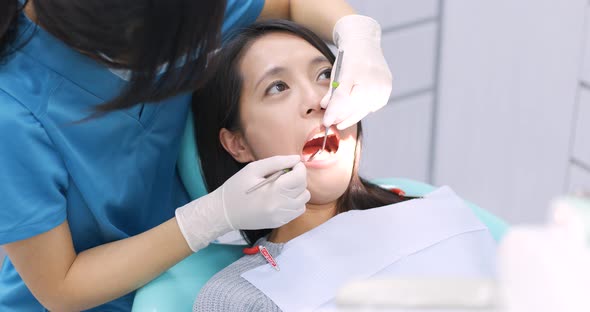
[365, 79]
[230, 208]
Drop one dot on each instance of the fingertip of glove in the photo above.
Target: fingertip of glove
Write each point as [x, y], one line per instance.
[294, 158]
[325, 100]
[349, 122]
[306, 196]
[329, 119]
[299, 166]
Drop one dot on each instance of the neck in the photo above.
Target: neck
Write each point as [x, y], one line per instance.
[313, 216]
[30, 11]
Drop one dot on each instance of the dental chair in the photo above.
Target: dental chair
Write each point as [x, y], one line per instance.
[176, 289]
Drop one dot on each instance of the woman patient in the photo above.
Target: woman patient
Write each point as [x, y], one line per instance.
[264, 100]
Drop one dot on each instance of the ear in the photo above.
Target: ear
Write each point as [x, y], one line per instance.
[235, 144]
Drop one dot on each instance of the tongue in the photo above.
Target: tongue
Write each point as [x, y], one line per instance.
[308, 150]
[312, 146]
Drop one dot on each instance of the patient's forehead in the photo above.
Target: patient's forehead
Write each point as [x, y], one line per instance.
[277, 49]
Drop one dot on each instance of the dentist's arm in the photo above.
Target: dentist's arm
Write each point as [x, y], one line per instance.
[64, 280]
[317, 15]
[365, 79]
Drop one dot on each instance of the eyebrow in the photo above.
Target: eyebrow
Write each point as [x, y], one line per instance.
[279, 69]
[271, 72]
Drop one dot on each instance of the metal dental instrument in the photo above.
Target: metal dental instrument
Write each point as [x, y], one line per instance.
[335, 85]
[273, 177]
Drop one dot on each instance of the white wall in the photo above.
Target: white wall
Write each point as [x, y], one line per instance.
[491, 97]
[397, 139]
[509, 85]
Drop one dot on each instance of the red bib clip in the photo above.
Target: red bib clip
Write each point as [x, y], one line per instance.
[398, 191]
[251, 250]
[264, 252]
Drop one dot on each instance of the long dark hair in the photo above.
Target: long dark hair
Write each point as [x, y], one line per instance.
[216, 106]
[9, 10]
[140, 36]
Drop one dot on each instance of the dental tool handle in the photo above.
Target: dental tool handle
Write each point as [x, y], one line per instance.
[321, 149]
[335, 85]
[335, 81]
[273, 177]
[325, 138]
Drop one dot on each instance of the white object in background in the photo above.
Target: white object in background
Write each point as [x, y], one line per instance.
[546, 268]
[420, 293]
[574, 214]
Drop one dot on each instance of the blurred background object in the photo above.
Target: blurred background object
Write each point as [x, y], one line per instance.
[490, 97]
[544, 268]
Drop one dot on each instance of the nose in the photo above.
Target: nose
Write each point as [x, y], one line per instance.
[311, 103]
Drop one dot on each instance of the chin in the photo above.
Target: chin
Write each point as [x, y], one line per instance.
[327, 186]
[324, 197]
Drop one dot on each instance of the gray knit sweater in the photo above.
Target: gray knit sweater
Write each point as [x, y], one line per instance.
[228, 291]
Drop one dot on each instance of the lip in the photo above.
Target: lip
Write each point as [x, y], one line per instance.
[319, 164]
[325, 162]
[322, 130]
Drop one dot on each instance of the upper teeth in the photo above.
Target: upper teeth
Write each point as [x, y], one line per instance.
[320, 135]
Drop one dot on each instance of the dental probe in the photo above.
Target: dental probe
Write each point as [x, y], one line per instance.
[335, 85]
[273, 177]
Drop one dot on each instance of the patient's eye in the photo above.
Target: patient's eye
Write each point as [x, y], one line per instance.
[277, 87]
[325, 74]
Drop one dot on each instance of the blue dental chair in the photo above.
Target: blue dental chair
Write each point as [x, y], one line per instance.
[176, 289]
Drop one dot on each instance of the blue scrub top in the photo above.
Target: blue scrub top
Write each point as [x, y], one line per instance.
[110, 178]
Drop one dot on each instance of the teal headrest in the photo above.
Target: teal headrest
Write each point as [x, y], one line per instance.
[189, 165]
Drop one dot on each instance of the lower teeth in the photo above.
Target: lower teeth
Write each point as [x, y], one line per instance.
[322, 155]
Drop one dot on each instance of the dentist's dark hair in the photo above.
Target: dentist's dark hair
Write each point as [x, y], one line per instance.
[217, 105]
[9, 10]
[140, 36]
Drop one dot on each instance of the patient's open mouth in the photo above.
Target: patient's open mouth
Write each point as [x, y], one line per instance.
[313, 145]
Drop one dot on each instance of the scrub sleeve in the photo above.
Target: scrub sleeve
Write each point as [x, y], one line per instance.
[33, 177]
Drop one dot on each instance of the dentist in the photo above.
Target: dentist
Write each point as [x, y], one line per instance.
[93, 99]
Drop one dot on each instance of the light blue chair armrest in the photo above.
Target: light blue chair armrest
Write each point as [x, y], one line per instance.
[177, 288]
[189, 165]
[497, 226]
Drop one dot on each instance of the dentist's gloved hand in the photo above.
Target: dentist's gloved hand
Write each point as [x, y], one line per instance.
[230, 208]
[365, 79]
